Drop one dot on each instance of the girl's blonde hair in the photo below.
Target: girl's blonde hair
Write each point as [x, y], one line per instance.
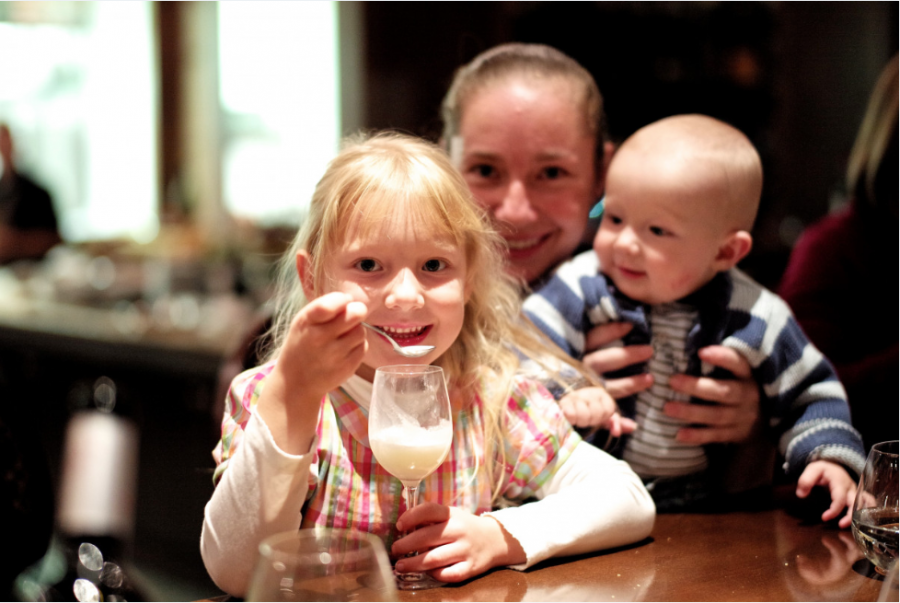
[373, 181]
[531, 62]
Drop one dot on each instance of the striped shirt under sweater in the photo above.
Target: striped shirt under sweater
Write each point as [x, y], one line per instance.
[800, 392]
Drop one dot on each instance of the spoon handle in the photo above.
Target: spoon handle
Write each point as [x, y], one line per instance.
[376, 329]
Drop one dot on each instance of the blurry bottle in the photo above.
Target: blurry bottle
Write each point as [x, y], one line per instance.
[88, 556]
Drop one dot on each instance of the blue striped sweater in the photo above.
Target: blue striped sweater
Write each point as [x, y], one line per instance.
[800, 392]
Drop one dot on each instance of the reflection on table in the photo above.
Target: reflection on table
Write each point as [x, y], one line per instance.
[768, 555]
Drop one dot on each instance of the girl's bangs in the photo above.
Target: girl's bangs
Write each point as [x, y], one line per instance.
[379, 211]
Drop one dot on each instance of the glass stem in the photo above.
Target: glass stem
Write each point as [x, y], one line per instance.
[411, 495]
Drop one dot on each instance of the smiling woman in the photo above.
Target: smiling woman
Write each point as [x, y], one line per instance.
[524, 124]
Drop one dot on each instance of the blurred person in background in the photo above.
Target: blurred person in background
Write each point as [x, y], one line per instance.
[841, 280]
[28, 227]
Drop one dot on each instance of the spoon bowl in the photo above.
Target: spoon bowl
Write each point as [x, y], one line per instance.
[410, 351]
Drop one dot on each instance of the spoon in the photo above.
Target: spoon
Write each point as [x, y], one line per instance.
[410, 351]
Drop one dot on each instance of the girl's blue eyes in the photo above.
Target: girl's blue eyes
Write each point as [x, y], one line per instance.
[370, 265]
[433, 266]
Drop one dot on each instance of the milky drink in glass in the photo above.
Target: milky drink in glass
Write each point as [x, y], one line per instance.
[410, 454]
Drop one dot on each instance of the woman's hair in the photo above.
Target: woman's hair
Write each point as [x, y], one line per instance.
[875, 148]
[532, 62]
[387, 177]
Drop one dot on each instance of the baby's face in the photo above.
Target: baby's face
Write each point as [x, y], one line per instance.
[659, 237]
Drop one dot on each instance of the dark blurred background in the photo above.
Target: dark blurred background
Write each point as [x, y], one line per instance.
[165, 312]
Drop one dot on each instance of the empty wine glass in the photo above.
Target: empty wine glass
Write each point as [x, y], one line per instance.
[322, 564]
[875, 526]
[410, 430]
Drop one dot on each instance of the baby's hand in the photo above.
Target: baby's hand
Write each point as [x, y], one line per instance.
[453, 544]
[839, 483]
[594, 407]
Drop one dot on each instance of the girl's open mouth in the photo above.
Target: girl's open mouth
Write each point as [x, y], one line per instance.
[407, 335]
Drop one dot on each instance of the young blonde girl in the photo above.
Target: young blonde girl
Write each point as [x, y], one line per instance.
[393, 238]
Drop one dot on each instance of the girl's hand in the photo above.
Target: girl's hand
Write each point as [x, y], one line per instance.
[838, 482]
[326, 343]
[453, 544]
[615, 358]
[324, 347]
[594, 407]
[736, 416]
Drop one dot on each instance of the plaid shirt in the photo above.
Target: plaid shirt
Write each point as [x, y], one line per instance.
[349, 489]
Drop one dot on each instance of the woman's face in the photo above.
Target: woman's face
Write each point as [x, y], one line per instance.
[529, 158]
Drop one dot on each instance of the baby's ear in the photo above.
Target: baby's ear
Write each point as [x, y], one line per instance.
[734, 249]
[303, 271]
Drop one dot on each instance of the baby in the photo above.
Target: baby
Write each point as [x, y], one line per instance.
[681, 198]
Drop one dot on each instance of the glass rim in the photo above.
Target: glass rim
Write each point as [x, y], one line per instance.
[268, 547]
[881, 446]
[409, 369]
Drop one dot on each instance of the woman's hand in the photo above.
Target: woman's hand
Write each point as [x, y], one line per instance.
[733, 418]
[453, 544]
[612, 359]
[736, 416]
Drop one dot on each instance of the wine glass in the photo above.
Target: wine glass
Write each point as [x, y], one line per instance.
[322, 564]
[410, 432]
[875, 524]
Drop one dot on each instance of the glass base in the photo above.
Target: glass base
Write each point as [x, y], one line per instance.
[415, 581]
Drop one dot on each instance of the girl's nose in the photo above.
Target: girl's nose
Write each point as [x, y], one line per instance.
[515, 207]
[405, 292]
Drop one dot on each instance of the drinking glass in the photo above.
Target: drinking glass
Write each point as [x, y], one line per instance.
[410, 431]
[875, 526]
[322, 564]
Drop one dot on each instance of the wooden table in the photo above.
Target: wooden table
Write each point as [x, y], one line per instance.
[742, 556]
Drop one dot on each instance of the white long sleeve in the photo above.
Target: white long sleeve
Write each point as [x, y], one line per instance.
[593, 502]
[261, 494]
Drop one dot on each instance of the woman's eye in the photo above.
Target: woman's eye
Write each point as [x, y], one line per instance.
[483, 170]
[552, 172]
[367, 265]
[434, 265]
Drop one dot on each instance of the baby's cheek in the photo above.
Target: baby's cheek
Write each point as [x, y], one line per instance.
[682, 283]
[603, 247]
